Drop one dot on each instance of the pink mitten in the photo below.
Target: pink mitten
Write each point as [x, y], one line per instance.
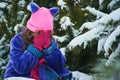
[42, 40]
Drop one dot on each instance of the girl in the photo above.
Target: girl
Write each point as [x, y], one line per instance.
[33, 51]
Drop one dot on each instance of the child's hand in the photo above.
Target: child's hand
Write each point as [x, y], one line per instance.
[38, 41]
[42, 40]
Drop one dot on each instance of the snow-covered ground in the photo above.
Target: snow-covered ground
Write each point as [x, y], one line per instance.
[76, 76]
[81, 76]
[18, 78]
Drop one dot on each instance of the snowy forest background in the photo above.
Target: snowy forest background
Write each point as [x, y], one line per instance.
[88, 33]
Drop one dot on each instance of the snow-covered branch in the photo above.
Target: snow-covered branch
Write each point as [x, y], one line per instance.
[99, 27]
[113, 16]
[62, 4]
[65, 22]
[3, 5]
[100, 47]
[112, 3]
[85, 38]
[88, 25]
[61, 39]
[63, 50]
[96, 12]
[113, 56]
[17, 26]
[100, 4]
[112, 38]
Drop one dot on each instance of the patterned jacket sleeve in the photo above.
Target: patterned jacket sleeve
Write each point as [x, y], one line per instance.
[22, 60]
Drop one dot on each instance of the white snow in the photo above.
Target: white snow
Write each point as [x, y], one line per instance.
[77, 2]
[62, 4]
[113, 16]
[24, 18]
[112, 57]
[2, 39]
[81, 76]
[18, 78]
[112, 3]
[86, 37]
[96, 12]
[65, 22]
[110, 40]
[100, 4]
[75, 32]
[88, 25]
[101, 43]
[16, 27]
[2, 17]
[29, 8]
[21, 3]
[60, 39]
[3, 5]
[63, 50]
[9, 7]
[20, 15]
[98, 27]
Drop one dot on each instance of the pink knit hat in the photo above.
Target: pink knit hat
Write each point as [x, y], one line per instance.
[41, 18]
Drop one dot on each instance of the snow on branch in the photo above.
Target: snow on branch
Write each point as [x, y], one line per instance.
[18, 26]
[112, 3]
[65, 22]
[113, 16]
[3, 5]
[85, 38]
[96, 12]
[112, 38]
[61, 39]
[99, 27]
[62, 4]
[100, 47]
[112, 57]
[2, 39]
[63, 50]
[88, 25]
[100, 4]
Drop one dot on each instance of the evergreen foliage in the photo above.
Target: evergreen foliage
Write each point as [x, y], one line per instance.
[69, 24]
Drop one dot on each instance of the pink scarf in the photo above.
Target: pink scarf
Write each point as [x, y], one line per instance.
[35, 71]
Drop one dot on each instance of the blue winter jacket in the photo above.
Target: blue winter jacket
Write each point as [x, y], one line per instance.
[21, 61]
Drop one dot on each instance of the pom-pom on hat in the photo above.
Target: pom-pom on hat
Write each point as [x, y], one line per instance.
[41, 18]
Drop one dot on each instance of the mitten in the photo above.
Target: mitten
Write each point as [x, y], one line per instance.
[34, 51]
[42, 40]
[50, 49]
